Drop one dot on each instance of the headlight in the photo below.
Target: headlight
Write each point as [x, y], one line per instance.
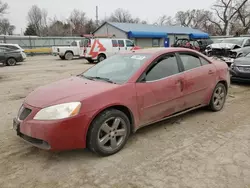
[59, 111]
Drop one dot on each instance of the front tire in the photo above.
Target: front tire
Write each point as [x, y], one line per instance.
[108, 132]
[11, 62]
[218, 97]
[101, 57]
[69, 55]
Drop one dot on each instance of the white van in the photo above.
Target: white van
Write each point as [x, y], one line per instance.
[98, 49]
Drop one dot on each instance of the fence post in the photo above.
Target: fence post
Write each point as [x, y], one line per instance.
[4, 39]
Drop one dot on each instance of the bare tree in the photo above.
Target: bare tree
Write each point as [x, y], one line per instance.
[121, 15]
[3, 7]
[165, 20]
[225, 12]
[242, 19]
[6, 28]
[37, 17]
[78, 19]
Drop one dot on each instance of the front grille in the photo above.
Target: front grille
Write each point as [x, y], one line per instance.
[220, 52]
[23, 113]
[244, 69]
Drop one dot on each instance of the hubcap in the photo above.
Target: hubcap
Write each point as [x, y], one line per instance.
[219, 97]
[12, 61]
[101, 58]
[69, 56]
[112, 134]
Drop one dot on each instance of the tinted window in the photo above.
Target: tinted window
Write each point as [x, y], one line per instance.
[114, 43]
[164, 68]
[121, 43]
[74, 43]
[12, 47]
[118, 68]
[190, 61]
[129, 43]
[155, 42]
[247, 43]
[203, 61]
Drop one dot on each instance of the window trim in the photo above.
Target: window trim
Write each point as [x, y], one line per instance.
[153, 63]
[190, 53]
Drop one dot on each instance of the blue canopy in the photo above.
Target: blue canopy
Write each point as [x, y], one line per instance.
[198, 35]
[145, 34]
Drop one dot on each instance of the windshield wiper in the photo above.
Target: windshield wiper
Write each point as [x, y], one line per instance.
[97, 78]
[101, 78]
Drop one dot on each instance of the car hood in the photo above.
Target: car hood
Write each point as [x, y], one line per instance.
[242, 61]
[66, 90]
[224, 46]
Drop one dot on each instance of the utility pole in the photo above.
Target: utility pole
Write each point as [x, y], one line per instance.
[97, 21]
[230, 6]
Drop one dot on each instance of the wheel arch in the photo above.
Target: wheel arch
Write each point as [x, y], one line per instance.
[224, 82]
[103, 54]
[69, 51]
[119, 107]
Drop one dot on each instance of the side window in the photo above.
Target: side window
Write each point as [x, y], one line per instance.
[81, 43]
[203, 61]
[74, 43]
[121, 43]
[114, 43]
[247, 43]
[155, 42]
[2, 50]
[190, 61]
[129, 43]
[165, 67]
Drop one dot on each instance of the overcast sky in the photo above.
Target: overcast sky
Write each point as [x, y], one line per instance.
[149, 11]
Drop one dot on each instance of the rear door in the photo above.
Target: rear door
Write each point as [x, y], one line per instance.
[2, 54]
[200, 78]
[115, 46]
[121, 45]
[160, 93]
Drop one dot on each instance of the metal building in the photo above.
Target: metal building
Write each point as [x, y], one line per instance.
[146, 35]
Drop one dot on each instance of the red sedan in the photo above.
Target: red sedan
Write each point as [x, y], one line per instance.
[101, 107]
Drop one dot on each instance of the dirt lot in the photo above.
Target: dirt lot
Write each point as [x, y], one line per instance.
[199, 149]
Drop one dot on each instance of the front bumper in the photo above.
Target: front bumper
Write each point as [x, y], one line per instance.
[237, 75]
[64, 134]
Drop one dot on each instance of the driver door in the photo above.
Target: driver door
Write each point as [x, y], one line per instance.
[160, 93]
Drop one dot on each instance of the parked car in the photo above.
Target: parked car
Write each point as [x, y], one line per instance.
[10, 57]
[229, 48]
[14, 47]
[240, 69]
[102, 106]
[195, 44]
[94, 49]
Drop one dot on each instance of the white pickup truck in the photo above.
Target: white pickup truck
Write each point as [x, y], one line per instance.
[76, 49]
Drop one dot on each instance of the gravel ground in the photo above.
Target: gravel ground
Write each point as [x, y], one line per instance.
[199, 149]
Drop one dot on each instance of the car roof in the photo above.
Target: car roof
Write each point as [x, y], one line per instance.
[161, 50]
[7, 44]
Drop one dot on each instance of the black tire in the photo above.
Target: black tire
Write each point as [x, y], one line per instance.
[62, 57]
[218, 98]
[101, 57]
[110, 134]
[69, 56]
[11, 61]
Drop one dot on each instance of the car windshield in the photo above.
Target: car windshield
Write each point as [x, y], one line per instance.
[116, 69]
[233, 41]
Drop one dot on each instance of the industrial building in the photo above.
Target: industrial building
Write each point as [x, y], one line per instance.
[146, 35]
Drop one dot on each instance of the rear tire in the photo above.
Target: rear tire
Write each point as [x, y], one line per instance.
[11, 61]
[108, 132]
[218, 97]
[101, 57]
[69, 56]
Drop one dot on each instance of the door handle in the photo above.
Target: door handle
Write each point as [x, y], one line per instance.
[210, 72]
[180, 82]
